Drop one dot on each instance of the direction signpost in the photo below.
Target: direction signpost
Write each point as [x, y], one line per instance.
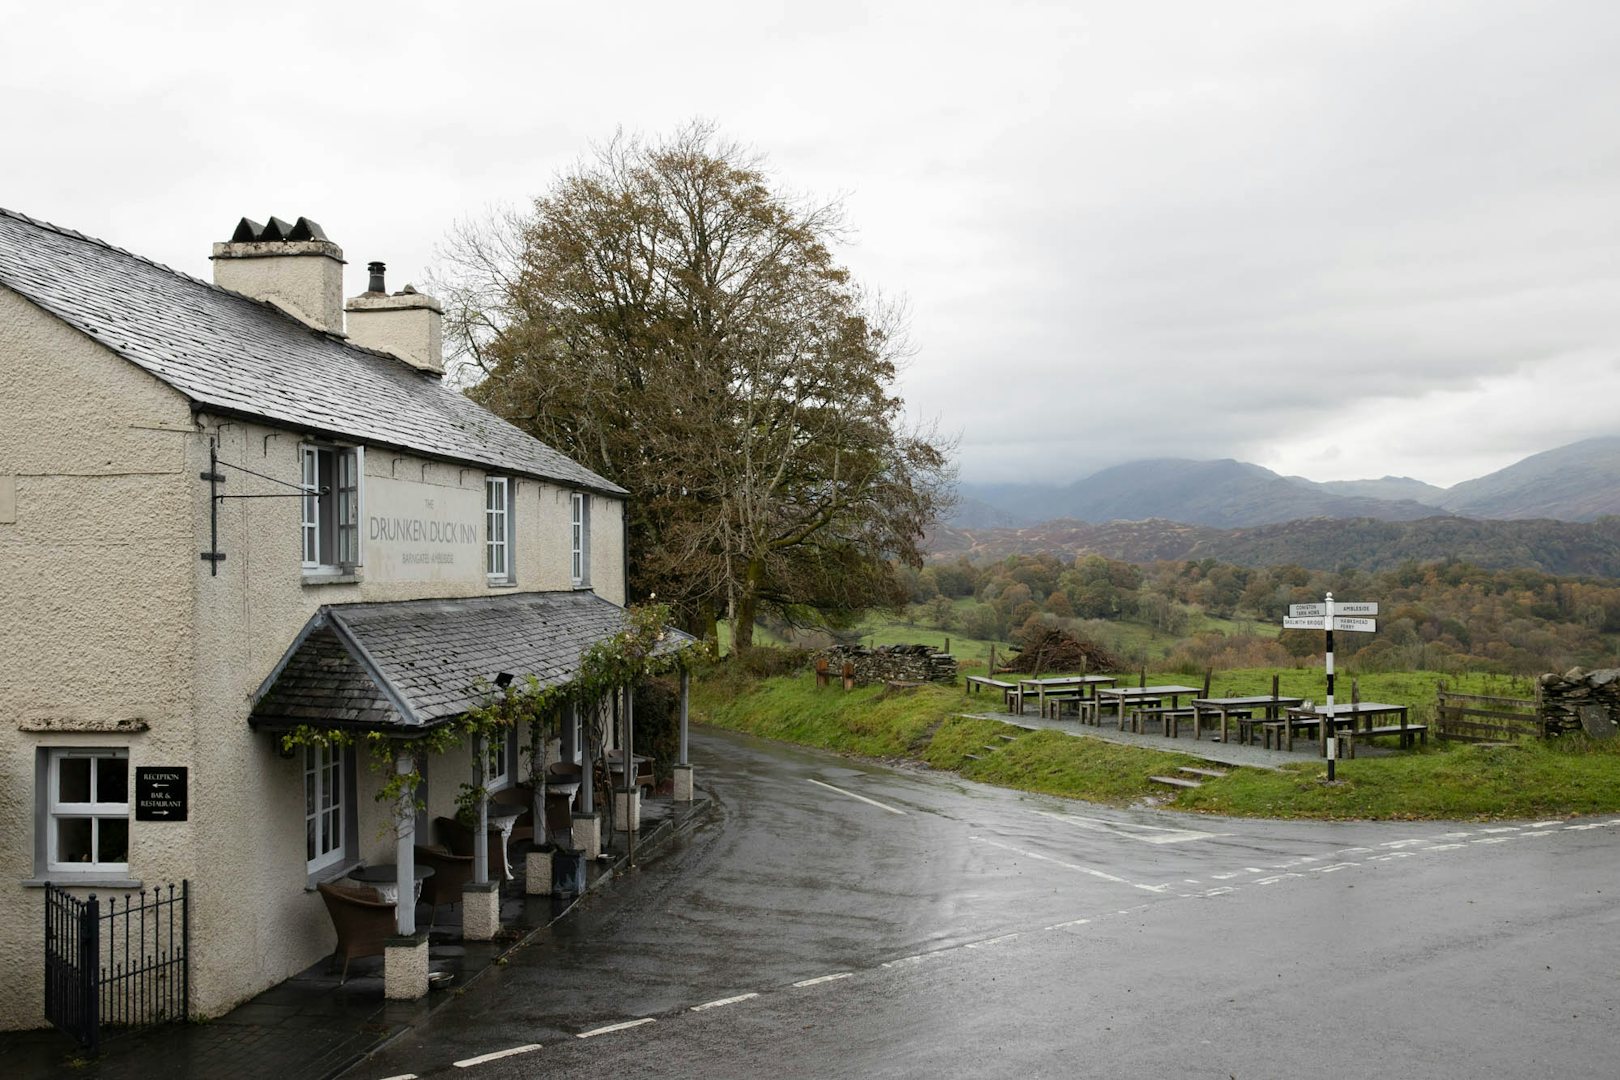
[1328, 617]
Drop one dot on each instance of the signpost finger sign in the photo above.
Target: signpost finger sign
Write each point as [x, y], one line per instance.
[1329, 616]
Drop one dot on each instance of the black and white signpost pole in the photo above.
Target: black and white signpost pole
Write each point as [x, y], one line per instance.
[1328, 616]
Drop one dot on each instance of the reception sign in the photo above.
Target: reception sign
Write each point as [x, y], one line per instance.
[160, 793]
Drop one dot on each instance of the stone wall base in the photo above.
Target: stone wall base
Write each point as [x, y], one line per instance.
[683, 783]
[627, 822]
[405, 967]
[537, 873]
[588, 834]
[481, 910]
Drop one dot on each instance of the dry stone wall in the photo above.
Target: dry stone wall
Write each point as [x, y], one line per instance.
[1580, 700]
[891, 663]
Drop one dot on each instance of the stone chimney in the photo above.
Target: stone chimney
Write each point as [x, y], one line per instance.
[407, 324]
[295, 267]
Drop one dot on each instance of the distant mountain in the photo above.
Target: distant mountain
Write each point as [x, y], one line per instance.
[1223, 493]
[1578, 482]
[1389, 487]
[1554, 547]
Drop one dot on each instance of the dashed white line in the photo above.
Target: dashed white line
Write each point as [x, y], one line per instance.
[1335, 866]
[401, 1076]
[722, 1001]
[1066, 925]
[1149, 834]
[591, 1034]
[824, 979]
[862, 798]
[990, 941]
[1070, 866]
[496, 1056]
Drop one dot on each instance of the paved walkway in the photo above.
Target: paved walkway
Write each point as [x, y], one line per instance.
[309, 1026]
[1210, 749]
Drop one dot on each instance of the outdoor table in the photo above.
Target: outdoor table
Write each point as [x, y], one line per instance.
[1123, 695]
[384, 877]
[1061, 682]
[1226, 705]
[504, 817]
[1346, 715]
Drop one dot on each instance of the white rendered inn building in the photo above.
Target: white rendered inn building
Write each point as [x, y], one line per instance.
[207, 489]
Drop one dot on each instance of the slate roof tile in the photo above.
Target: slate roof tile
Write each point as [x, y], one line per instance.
[437, 657]
[232, 354]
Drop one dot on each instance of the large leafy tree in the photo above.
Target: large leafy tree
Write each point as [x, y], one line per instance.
[665, 317]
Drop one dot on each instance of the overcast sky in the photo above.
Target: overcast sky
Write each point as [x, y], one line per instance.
[1337, 239]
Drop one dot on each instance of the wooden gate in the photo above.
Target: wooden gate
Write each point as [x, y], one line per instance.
[1480, 718]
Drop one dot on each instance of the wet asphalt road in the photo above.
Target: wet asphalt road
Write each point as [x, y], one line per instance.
[882, 922]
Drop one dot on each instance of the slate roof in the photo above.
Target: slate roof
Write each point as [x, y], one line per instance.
[231, 354]
[411, 664]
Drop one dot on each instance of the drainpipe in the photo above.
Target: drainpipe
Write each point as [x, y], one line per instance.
[629, 775]
[587, 777]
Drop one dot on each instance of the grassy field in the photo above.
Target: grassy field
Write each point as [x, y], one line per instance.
[1446, 781]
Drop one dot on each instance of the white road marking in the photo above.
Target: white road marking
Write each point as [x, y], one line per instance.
[1445, 847]
[1544, 824]
[1066, 925]
[1276, 878]
[1223, 877]
[613, 1027]
[990, 941]
[862, 798]
[1222, 891]
[401, 1076]
[496, 1056]
[1501, 828]
[1150, 834]
[1070, 866]
[824, 979]
[1492, 840]
[722, 1001]
[1335, 866]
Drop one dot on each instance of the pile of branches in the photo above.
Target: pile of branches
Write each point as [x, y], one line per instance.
[1053, 649]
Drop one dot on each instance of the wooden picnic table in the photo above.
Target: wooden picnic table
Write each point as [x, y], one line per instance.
[1347, 716]
[1077, 684]
[1124, 695]
[1228, 705]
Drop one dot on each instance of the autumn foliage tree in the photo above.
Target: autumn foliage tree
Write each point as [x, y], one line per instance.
[666, 318]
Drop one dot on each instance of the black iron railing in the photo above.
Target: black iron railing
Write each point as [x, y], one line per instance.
[122, 963]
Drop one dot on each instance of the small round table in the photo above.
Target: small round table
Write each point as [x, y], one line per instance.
[504, 817]
[385, 879]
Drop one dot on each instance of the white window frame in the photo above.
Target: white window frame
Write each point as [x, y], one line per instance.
[57, 809]
[502, 756]
[580, 538]
[498, 530]
[331, 537]
[324, 771]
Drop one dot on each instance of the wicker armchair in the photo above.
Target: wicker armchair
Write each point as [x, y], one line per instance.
[450, 873]
[363, 922]
[459, 839]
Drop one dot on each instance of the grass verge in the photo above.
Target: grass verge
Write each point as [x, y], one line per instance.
[1530, 779]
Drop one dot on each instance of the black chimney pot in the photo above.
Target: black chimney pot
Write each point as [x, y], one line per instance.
[376, 270]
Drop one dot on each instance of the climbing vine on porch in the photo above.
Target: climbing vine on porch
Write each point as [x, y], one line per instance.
[630, 654]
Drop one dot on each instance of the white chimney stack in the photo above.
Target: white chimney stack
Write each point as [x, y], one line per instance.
[407, 324]
[295, 267]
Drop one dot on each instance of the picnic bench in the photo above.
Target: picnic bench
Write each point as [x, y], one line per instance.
[1346, 721]
[1241, 709]
[1012, 696]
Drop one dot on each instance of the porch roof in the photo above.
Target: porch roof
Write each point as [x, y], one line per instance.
[408, 665]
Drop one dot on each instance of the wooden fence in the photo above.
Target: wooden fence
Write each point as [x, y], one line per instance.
[1477, 718]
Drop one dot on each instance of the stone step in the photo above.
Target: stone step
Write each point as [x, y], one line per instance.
[973, 757]
[1208, 774]
[992, 749]
[1175, 781]
[1008, 738]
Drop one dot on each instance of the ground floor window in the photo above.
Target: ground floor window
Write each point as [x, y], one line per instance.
[87, 810]
[326, 801]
